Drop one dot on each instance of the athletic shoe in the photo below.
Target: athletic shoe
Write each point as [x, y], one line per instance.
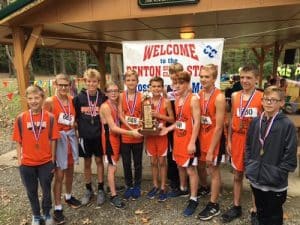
[191, 208]
[233, 213]
[73, 202]
[58, 217]
[119, 188]
[254, 218]
[117, 202]
[36, 220]
[152, 193]
[48, 220]
[162, 196]
[136, 192]
[211, 210]
[203, 191]
[100, 197]
[176, 193]
[87, 198]
[128, 193]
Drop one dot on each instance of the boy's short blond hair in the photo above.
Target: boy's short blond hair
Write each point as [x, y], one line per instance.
[157, 79]
[184, 76]
[110, 84]
[250, 68]
[35, 89]
[275, 89]
[92, 73]
[131, 73]
[62, 76]
[212, 69]
[175, 68]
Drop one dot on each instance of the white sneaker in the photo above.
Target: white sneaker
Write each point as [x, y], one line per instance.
[35, 220]
[48, 220]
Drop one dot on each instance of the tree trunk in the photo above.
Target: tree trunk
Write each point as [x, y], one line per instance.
[54, 61]
[62, 61]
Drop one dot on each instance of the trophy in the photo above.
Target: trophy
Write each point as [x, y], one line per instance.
[150, 124]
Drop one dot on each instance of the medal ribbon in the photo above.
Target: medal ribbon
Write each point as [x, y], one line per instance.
[205, 106]
[63, 108]
[158, 104]
[91, 106]
[131, 109]
[262, 139]
[243, 110]
[35, 133]
[181, 109]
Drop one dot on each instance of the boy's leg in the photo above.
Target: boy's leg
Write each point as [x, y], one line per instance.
[87, 163]
[111, 170]
[137, 153]
[172, 170]
[182, 178]
[215, 183]
[154, 167]
[126, 159]
[100, 170]
[45, 176]
[57, 187]
[237, 187]
[163, 171]
[29, 178]
[69, 199]
[202, 173]
[274, 210]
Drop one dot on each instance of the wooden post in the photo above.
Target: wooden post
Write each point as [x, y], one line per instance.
[22, 57]
[277, 51]
[22, 74]
[261, 59]
[100, 54]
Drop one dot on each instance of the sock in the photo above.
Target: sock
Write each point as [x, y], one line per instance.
[89, 186]
[183, 188]
[193, 198]
[58, 207]
[100, 186]
[68, 196]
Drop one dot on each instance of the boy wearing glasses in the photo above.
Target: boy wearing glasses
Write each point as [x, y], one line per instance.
[61, 106]
[271, 153]
[246, 105]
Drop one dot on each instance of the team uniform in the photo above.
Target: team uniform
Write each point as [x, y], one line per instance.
[131, 145]
[35, 133]
[89, 124]
[208, 124]
[242, 115]
[158, 145]
[183, 134]
[111, 140]
[67, 145]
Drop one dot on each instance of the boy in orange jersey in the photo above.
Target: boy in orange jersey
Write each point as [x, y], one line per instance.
[111, 138]
[157, 146]
[36, 132]
[186, 130]
[172, 170]
[246, 105]
[130, 111]
[87, 104]
[61, 106]
[212, 103]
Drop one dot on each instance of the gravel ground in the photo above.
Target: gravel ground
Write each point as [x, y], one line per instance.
[15, 210]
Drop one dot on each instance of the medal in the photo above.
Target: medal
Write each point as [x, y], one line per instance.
[92, 106]
[179, 115]
[36, 133]
[205, 105]
[63, 108]
[268, 129]
[242, 110]
[131, 109]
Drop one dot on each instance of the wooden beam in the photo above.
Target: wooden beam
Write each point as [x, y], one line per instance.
[22, 74]
[99, 52]
[261, 59]
[277, 51]
[31, 44]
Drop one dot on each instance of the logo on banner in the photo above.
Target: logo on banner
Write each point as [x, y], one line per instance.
[210, 51]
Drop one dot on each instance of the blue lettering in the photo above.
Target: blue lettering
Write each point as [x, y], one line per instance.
[196, 87]
[142, 87]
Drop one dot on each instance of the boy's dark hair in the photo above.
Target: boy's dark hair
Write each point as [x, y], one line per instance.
[157, 79]
[250, 68]
[273, 81]
[184, 76]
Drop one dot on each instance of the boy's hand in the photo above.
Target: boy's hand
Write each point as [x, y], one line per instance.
[164, 131]
[209, 159]
[191, 148]
[228, 148]
[136, 133]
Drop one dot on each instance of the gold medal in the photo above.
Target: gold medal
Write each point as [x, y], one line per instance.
[261, 151]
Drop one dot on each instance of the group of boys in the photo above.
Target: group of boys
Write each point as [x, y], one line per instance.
[190, 145]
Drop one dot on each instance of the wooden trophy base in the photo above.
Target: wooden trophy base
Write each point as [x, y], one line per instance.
[149, 132]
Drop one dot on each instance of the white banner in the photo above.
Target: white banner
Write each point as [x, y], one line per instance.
[152, 58]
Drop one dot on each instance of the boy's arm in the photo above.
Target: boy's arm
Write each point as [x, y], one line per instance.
[170, 115]
[288, 161]
[195, 107]
[230, 125]
[48, 104]
[53, 150]
[121, 112]
[19, 146]
[220, 105]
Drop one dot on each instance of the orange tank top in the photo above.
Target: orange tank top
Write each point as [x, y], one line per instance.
[131, 110]
[63, 114]
[207, 119]
[241, 117]
[184, 126]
